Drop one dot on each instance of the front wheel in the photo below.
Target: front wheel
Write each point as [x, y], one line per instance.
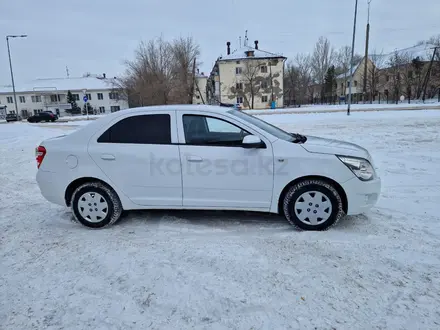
[96, 205]
[313, 205]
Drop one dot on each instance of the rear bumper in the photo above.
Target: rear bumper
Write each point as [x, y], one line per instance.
[361, 195]
[51, 189]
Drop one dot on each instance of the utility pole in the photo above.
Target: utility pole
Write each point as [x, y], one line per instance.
[10, 67]
[352, 56]
[191, 101]
[428, 74]
[367, 41]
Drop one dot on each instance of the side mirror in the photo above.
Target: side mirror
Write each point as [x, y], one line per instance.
[252, 141]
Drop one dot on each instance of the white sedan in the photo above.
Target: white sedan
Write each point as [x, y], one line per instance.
[203, 157]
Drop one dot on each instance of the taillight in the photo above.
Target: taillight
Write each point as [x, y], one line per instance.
[40, 152]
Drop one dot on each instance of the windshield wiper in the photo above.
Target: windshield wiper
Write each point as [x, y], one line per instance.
[298, 138]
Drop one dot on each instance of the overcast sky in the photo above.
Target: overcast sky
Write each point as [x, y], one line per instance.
[98, 35]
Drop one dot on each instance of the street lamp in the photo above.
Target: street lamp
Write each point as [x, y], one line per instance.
[352, 56]
[10, 67]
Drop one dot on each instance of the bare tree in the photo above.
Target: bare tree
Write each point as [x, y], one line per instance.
[297, 79]
[374, 72]
[322, 58]
[160, 73]
[185, 53]
[250, 82]
[395, 64]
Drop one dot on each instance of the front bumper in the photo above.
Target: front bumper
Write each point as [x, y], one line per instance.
[361, 195]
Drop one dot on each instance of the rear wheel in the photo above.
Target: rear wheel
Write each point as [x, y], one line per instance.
[313, 205]
[96, 205]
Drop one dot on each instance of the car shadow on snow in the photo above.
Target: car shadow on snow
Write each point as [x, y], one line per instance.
[223, 219]
[213, 219]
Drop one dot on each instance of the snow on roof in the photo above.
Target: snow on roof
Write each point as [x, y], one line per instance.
[347, 74]
[424, 52]
[241, 54]
[60, 84]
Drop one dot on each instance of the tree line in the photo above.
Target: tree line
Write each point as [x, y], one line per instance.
[398, 74]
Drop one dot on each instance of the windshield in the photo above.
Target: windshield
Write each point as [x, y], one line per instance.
[265, 126]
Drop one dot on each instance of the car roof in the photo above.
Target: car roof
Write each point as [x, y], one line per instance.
[182, 107]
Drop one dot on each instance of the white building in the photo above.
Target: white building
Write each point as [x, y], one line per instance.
[248, 76]
[51, 94]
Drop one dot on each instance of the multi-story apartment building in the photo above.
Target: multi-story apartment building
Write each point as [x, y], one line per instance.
[51, 94]
[249, 77]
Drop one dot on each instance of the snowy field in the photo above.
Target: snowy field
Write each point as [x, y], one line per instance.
[230, 270]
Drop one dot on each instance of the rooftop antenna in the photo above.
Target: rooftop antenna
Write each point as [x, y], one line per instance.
[239, 40]
[67, 71]
[245, 38]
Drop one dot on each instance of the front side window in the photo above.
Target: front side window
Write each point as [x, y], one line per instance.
[210, 131]
[143, 129]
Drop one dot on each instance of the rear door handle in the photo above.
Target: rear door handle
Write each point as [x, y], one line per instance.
[194, 159]
[107, 157]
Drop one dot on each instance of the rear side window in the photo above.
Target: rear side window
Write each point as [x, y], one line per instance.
[144, 129]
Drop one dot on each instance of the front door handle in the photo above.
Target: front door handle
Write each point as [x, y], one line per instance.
[107, 157]
[194, 159]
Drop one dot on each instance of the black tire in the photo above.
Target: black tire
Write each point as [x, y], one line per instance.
[114, 209]
[52, 120]
[329, 192]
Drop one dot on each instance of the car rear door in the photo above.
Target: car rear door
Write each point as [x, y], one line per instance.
[140, 155]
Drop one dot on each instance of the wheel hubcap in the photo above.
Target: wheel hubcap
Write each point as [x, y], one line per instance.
[313, 208]
[93, 207]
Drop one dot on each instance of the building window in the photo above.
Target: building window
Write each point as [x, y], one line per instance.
[113, 96]
[240, 99]
[238, 62]
[355, 83]
[55, 98]
[22, 99]
[101, 109]
[100, 96]
[9, 99]
[239, 86]
[75, 97]
[388, 78]
[410, 74]
[114, 108]
[238, 70]
[264, 99]
[36, 98]
[89, 96]
[264, 84]
[263, 69]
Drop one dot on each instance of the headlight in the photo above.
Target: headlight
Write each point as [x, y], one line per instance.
[359, 166]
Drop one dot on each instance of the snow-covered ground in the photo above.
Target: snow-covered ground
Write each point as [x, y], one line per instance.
[230, 270]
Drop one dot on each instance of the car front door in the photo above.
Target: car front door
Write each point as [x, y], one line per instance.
[217, 171]
[140, 155]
